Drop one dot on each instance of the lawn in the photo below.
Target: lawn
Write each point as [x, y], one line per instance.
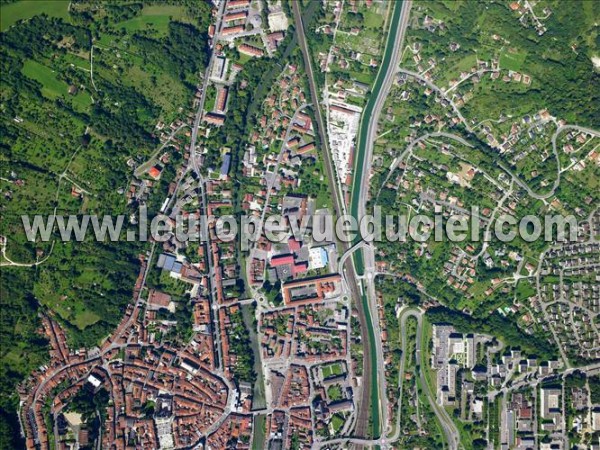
[373, 20]
[525, 290]
[465, 64]
[258, 435]
[21, 10]
[332, 370]
[337, 422]
[82, 101]
[512, 60]
[78, 61]
[172, 286]
[334, 393]
[458, 65]
[243, 59]
[324, 199]
[362, 77]
[84, 318]
[52, 87]
[155, 18]
[454, 5]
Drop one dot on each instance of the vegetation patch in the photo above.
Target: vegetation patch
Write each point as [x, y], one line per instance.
[11, 13]
[512, 59]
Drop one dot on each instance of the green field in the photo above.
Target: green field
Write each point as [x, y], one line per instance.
[373, 20]
[52, 87]
[258, 434]
[85, 318]
[525, 290]
[155, 18]
[334, 393]
[512, 60]
[332, 370]
[337, 422]
[13, 12]
[465, 63]
[78, 61]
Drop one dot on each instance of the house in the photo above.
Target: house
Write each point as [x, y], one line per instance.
[168, 262]
[231, 17]
[225, 166]
[232, 30]
[251, 50]
[281, 260]
[221, 99]
[306, 148]
[214, 119]
[233, 4]
[154, 172]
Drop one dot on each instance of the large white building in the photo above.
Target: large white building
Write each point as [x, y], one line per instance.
[344, 121]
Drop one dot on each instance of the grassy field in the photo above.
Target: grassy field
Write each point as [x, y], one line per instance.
[13, 12]
[324, 199]
[332, 370]
[512, 60]
[525, 290]
[243, 59]
[258, 435]
[155, 18]
[337, 422]
[52, 87]
[373, 20]
[334, 393]
[78, 61]
[85, 318]
[456, 66]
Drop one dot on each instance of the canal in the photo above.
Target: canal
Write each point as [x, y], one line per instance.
[358, 179]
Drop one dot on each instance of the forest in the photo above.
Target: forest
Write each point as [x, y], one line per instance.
[55, 119]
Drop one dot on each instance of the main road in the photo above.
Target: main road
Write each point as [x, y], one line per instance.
[373, 369]
[376, 396]
[448, 427]
[363, 416]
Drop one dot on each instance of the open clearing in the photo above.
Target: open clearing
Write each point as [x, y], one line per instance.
[13, 12]
[512, 60]
[52, 87]
[155, 18]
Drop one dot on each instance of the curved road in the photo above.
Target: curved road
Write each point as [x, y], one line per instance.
[441, 93]
[410, 147]
[525, 186]
[448, 426]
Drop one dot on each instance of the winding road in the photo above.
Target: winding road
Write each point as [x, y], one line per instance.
[448, 426]
[550, 193]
